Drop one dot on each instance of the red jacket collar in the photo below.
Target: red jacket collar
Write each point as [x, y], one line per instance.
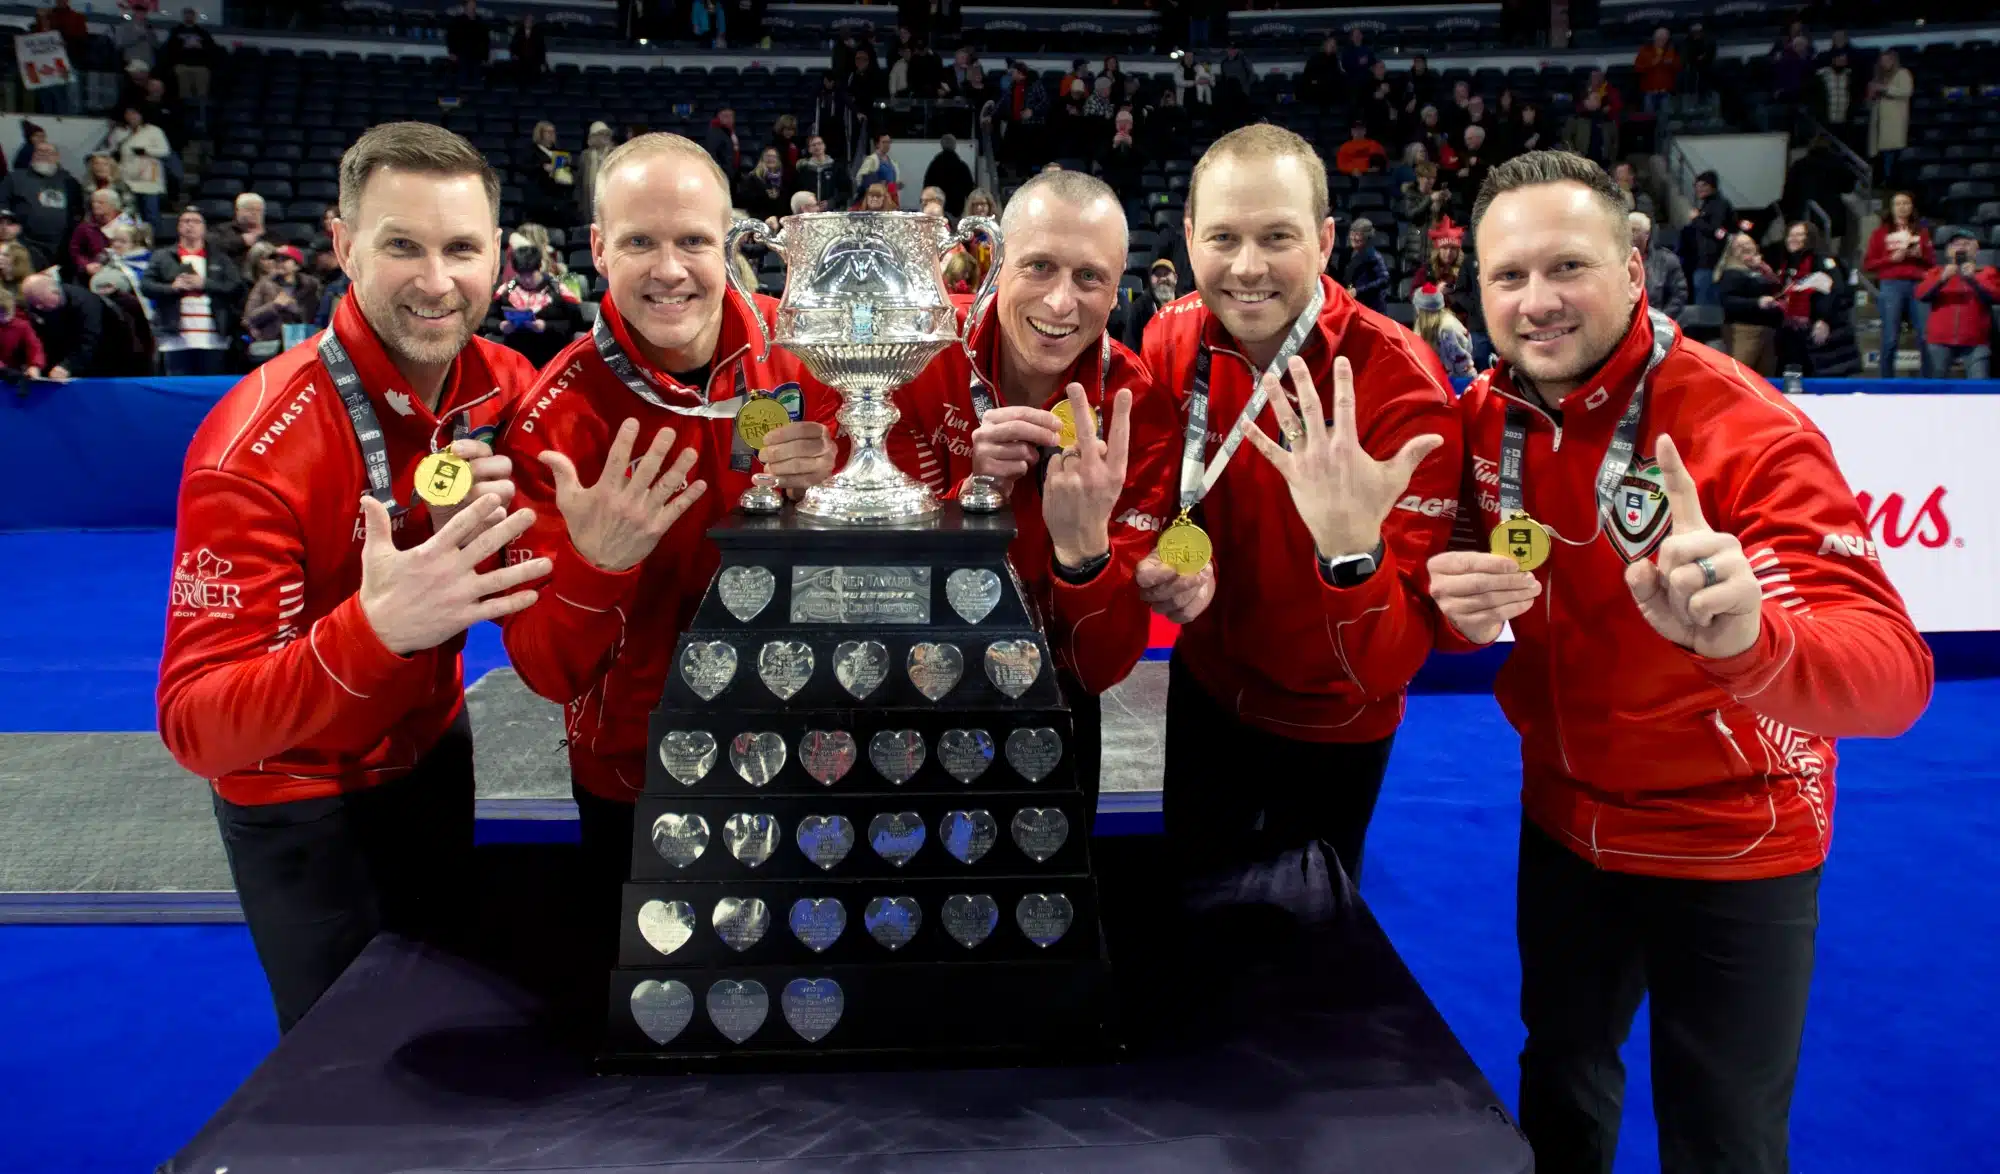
[983, 345]
[469, 379]
[1612, 386]
[1336, 310]
[739, 327]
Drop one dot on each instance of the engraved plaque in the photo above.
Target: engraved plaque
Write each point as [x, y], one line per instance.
[708, 667]
[741, 921]
[1039, 832]
[1034, 752]
[860, 666]
[861, 595]
[897, 755]
[688, 755]
[935, 668]
[745, 590]
[738, 1008]
[812, 1006]
[968, 835]
[827, 755]
[680, 839]
[893, 921]
[757, 757]
[972, 592]
[825, 839]
[666, 925]
[1013, 665]
[785, 666]
[969, 918]
[897, 837]
[662, 1009]
[818, 921]
[1043, 917]
[966, 753]
[751, 838]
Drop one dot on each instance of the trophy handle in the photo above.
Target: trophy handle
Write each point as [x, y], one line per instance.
[757, 230]
[983, 300]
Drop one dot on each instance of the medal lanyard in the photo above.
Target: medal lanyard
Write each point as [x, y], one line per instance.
[1617, 458]
[361, 414]
[1197, 480]
[982, 398]
[627, 372]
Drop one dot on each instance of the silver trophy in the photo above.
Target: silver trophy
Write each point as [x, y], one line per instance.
[865, 309]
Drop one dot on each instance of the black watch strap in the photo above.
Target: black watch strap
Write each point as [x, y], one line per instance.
[1350, 571]
[1079, 575]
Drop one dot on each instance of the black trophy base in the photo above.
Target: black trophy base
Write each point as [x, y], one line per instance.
[961, 1015]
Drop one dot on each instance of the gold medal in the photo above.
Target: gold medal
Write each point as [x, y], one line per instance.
[761, 415]
[444, 478]
[1067, 414]
[1185, 546]
[1522, 539]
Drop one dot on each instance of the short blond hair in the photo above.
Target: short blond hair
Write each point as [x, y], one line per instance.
[410, 146]
[1264, 141]
[647, 146]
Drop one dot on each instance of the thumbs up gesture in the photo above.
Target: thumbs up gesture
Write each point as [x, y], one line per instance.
[421, 597]
[1702, 594]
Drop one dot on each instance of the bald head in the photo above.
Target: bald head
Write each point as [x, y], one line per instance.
[641, 164]
[1086, 199]
[41, 292]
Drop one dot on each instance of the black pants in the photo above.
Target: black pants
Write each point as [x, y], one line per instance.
[318, 878]
[1728, 965]
[1234, 793]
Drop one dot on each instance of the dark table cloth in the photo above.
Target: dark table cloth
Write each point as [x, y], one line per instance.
[1261, 1039]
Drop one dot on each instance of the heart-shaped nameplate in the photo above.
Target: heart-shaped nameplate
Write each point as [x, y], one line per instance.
[1043, 917]
[1013, 665]
[708, 666]
[893, 921]
[969, 918]
[745, 590]
[688, 755]
[968, 835]
[860, 666]
[972, 592]
[741, 921]
[666, 925]
[757, 757]
[818, 921]
[812, 1006]
[825, 839]
[935, 668]
[680, 839]
[897, 837]
[965, 753]
[1039, 832]
[785, 666]
[751, 838]
[897, 755]
[827, 755]
[662, 1009]
[1034, 752]
[738, 1008]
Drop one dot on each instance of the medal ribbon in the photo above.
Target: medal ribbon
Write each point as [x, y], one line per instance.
[1197, 480]
[361, 414]
[1617, 458]
[982, 398]
[627, 371]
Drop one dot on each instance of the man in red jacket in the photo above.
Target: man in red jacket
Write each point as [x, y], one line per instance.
[1308, 623]
[1961, 294]
[1698, 613]
[674, 354]
[318, 605]
[1089, 515]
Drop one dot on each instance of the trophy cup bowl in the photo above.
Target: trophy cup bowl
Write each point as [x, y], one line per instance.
[865, 310]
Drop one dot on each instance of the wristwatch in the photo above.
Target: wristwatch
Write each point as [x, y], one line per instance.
[1079, 575]
[1350, 570]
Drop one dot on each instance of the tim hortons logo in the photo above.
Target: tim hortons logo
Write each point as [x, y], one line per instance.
[1485, 472]
[1929, 525]
[199, 586]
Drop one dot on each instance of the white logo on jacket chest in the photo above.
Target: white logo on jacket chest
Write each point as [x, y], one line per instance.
[549, 397]
[200, 585]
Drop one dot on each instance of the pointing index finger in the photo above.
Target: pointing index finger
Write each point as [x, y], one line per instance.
[1683, 497]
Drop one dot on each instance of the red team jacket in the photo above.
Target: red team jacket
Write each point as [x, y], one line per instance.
[598, 642]
[272, 683]
[1639, 755]
[1961, 306]
[1278, 646]
[1098, 629]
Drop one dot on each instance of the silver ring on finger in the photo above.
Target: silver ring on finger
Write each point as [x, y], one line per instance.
[1708, 575]
[1295, 434]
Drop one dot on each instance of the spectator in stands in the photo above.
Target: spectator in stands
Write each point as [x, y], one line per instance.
[1422, 204]
[16, 263]
[1431, 133]
[1360, 154]
[1697, 61]
[131, 249]
[69, 320]
[1166, 128]
[1666, 281]
[1592, 131]
[949, 173]
[1322, 82]
[1899, 255]
[822, 175]
[132, 39]
[236, 238]
[468, 43]
[1419, 87]
[160, 111]
[1524, 133]
[1889, 113]
[191, 56]
[596, 145]
[804, 204]
[88, 244]
[1706, 235]
[1628, 183]
[876, 199]
[548, 179]
[528, 48]
[723, 145]
[101, 174]
[981, 203]
[1367, 274]
[785, 141]
[1162, 287]
[1476, 114]
[195, 289]
[1810, 296]
[1599, 84]
[1097, 101]
[1790, 66]
[20, 349]
[532, 313]
[1472, 165]
[709, 21]
[867, 86]
[832, 118]
[931, 203]
[761, 194]
[1658, 65]
[1751, 309]
[877, 167]
[1120, 161]
[142, 151]
[1442, 332]
[47, 202]
[287, 296]
[1962, 295]
[1837, 98]
[899, 73]
[1357, 57]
